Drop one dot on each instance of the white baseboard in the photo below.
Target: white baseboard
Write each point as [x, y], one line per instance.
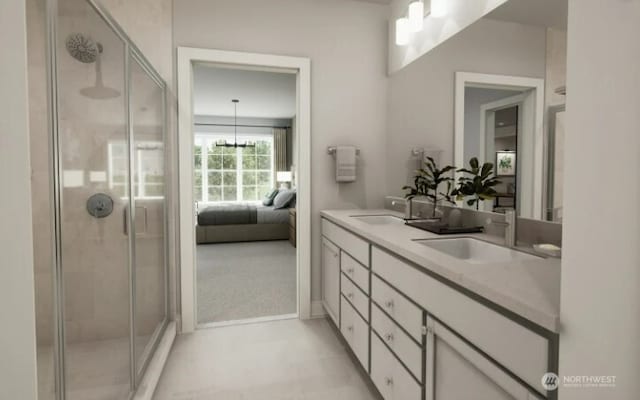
[317, 309]
[154, 370]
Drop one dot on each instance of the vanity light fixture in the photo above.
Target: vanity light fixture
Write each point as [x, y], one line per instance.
[416, 15]
[402, 31]
[438, 8]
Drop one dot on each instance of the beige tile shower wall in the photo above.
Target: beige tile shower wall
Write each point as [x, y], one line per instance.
[39, 147]
[149, 23]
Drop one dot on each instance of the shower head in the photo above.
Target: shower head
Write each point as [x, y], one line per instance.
[83, 48]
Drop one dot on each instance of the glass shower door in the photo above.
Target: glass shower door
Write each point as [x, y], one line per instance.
[93, 184]
[147, 130]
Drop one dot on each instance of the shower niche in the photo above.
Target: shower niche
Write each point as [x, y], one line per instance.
[99, 326]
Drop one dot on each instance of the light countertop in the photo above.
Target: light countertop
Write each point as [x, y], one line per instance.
[529, 288]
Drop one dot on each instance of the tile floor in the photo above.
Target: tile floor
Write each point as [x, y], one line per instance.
[281, 360]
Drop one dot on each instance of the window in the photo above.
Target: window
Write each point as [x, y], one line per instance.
[232, 174]
[148, 177]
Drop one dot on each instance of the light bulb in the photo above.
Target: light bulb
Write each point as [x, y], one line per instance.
[402, 31]
[416, 15]
[438, 8]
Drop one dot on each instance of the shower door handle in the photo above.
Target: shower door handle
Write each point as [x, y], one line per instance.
[126, 220]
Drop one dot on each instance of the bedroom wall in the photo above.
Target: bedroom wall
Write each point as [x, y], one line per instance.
[421, 96]
[346, 42]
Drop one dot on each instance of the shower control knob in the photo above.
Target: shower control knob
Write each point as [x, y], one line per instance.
[100, 205]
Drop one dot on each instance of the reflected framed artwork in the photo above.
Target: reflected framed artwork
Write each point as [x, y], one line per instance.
[505, 163]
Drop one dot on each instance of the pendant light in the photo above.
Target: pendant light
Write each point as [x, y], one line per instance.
[416, 15]
[235, 143]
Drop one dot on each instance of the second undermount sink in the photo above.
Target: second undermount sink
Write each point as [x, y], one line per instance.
[476, 251]
[378, 219]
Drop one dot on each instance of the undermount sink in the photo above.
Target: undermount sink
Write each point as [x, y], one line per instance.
[379, 219]
[476, 251]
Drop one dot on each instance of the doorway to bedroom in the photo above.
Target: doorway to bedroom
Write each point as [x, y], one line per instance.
[244, 185]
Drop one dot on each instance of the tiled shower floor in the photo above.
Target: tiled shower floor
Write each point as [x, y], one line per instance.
[96, 370]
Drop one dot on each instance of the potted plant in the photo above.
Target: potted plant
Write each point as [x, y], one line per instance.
[427, 183]
[479, 186]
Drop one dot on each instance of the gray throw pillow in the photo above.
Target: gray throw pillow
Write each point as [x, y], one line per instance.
[268, 198]
[283, 198]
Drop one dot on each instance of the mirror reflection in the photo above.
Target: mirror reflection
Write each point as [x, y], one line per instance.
[517, 124]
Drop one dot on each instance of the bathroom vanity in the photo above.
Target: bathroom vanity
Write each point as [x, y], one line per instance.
[440, 321]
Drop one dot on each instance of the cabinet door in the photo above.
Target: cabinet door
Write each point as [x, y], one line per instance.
[456, 371]
[331, 279]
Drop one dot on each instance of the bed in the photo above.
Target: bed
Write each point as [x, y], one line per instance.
[241, 222]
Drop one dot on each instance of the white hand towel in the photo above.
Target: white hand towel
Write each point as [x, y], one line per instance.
[345, 164]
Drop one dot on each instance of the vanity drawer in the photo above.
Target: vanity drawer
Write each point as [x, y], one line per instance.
[355, 331]
[401, 310]
[355, 271]
[392, 380]
[409, 352]
[352, 244]
[356, 297]
[520, 350]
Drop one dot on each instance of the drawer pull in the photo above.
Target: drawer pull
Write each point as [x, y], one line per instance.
[388, 381]
[350, 328]
[351, 270]
[350, 295]
[388, 337]
[389, 304]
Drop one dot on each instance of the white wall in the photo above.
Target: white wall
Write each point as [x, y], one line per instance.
[346, 42]
[460, 14]
[600, 304]
[421, 96]
[17, 336]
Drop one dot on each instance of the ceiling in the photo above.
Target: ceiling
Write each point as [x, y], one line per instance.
[262, 94]
[549, 13]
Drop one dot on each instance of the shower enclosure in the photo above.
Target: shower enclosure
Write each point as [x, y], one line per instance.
[101, 293]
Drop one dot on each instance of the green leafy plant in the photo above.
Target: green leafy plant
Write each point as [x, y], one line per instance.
[479, 186]
[427, 182]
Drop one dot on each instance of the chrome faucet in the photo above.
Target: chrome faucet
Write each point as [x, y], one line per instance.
[408, 208]
[510, 228]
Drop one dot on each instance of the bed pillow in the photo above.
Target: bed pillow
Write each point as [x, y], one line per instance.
[268, 198]
[283, 198]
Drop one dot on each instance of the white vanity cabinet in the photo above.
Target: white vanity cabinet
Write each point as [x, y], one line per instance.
[421, 337]
[344, 253]
[331, 280]
[457, 371]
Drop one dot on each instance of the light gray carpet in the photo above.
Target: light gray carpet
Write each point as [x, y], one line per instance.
[245, 280]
